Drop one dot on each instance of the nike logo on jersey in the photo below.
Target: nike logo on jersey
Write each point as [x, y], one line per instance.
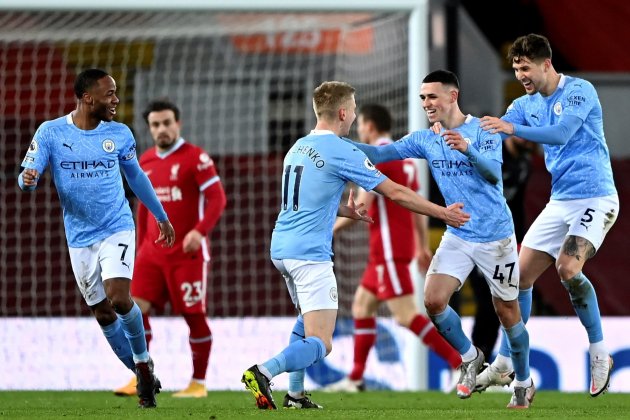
[69, 146]
[534, 116]
[125, 264]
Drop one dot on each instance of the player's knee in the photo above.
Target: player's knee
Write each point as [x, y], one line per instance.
[359, 311]
[105, 316]
[508, 313]
[567, 271]
[122, 304]
[434, 304]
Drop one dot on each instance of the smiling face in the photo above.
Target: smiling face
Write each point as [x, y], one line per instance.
[531, 74]
[437, 100]
[165, 130]
[102, 99]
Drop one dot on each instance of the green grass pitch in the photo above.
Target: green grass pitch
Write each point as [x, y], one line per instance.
[365, 406]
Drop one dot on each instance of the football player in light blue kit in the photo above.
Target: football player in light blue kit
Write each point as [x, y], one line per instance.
[315, 173]
[563, 114]
[86, 151]
[465, 162]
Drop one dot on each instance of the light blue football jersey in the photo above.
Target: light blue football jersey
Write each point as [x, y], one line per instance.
[459, 181]
[581, 167]
[315, 172]
[85, 166]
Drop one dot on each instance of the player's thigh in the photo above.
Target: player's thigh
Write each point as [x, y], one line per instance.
[149, 280]
[315, 284]
[280, 266]
[87, 273]
[498, 261]
[549, 229]
[117, 255]
[532, 263]
[453, 258]
[590, 219]
[187, 283]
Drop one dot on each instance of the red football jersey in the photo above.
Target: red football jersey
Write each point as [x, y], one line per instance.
[392, 233]
[179, 178]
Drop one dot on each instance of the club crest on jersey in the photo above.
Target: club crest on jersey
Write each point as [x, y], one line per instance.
[557, 108]
[206, 162]
[33, 147]
[108, 145]
[369, 165]
[174, 171]
[333, 294]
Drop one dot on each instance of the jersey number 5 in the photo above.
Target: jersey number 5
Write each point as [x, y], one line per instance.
[296, 186]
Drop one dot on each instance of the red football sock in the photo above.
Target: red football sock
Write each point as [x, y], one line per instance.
[424, 329]
[364, 339]
[200, 344]
[148, 335]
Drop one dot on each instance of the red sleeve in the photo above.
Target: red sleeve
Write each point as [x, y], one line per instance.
[141, 223]
[215, 201]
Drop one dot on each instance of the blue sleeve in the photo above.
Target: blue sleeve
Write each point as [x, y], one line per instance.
[485, 153]
[378, 154]
[490, 169]
[354, 166]
[37, 156]
[556, 134]
[141, 186]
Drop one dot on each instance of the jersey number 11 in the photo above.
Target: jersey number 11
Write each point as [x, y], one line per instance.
[296, 186]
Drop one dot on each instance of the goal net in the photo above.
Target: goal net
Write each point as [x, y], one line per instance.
[244, 83]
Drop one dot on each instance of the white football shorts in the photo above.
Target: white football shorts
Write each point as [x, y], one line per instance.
[312, 284]
[588, 218]
[497, 260]
[113, 257]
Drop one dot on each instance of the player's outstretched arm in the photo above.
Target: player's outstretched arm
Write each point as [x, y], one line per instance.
[451, 215]
[27, 180]
[378, 154]
[352, 211]
[557, 134]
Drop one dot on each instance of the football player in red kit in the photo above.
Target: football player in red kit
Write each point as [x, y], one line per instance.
[186, 182]
[387, 277]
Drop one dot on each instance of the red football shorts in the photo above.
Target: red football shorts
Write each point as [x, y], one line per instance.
[388, 280]
[182, 282]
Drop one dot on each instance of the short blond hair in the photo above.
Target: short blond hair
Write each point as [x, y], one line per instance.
[329, 97]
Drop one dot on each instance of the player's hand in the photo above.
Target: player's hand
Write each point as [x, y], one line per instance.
[30, 177]
[496, 125]
[436, 127]
[455, 141]
[353, 210]
[192, 241]
[423, 258]
[454, 215]
[167, 234]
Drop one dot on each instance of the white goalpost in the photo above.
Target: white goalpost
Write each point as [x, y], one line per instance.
[242, 72]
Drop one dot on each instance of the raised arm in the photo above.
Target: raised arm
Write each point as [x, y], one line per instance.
[378, 154]
[451, 215]
[557, 134]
